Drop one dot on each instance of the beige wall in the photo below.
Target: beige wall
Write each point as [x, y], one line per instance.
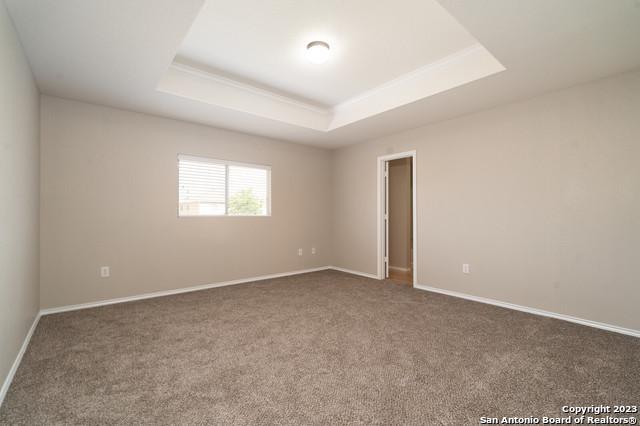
[400, 213]
[109, 197]
[541, 198]
[19, 170]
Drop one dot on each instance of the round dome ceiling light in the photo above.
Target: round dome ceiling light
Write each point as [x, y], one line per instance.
[318, 52]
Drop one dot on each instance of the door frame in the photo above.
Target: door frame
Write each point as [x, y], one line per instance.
[381, 208]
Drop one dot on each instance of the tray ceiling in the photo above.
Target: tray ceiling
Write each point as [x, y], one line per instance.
[394, 65]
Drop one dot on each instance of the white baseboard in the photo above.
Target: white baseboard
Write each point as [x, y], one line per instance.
[398, 268]
[27, 339]
[67, 308]
[350, 271]
[16, 362]
[535, 311]
[95, 304]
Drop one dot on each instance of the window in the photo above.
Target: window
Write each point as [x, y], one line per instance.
[208, 187]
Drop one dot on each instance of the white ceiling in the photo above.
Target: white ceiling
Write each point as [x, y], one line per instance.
[120, 53]
[372, 42]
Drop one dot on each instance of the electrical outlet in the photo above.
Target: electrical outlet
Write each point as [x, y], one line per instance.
[313, 250]
[105, 271]
[465, 268]
[299, 252]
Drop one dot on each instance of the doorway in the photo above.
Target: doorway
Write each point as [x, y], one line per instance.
[397, 246]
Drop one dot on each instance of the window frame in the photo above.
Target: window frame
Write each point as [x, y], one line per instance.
[226, 163]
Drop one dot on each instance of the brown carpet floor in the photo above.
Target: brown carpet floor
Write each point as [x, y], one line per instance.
[319, 348]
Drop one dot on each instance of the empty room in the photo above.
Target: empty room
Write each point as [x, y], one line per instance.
[305, 212]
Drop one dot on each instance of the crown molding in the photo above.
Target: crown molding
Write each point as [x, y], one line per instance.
[248, 87]
[443, 62]
[464, 66]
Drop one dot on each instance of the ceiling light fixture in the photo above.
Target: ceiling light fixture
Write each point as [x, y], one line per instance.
[318, 52]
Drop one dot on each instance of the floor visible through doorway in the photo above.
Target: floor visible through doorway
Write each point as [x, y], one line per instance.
[401, 277]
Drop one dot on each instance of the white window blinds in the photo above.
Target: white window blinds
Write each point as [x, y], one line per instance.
[208, 187]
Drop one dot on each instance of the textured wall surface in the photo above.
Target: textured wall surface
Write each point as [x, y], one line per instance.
[19, 192]
[109, 198]
[541, 198]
